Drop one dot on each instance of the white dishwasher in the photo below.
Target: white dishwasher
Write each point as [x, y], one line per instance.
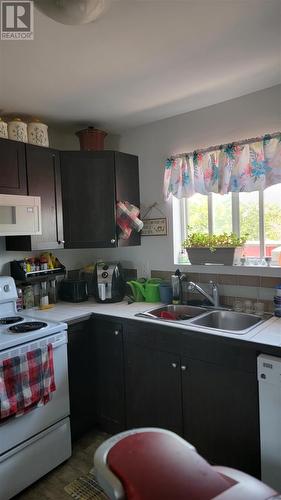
[269, 379]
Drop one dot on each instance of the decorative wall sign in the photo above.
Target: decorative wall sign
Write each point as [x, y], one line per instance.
[154, 227]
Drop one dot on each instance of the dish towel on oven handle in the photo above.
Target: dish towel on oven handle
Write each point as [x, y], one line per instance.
[127, 219]
[26, 381]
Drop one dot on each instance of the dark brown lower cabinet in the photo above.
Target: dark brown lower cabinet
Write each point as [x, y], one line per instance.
[153, 388]
[213, 405]
[81, 378]
[220, 412]
[108, 363]
[128, 374]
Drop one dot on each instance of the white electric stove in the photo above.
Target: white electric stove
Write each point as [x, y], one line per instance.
[34, 443]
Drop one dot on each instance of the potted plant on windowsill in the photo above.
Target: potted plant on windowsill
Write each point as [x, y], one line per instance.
[205, 248]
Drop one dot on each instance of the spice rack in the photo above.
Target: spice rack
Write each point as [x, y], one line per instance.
[19, 275]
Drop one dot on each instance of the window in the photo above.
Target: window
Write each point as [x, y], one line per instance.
[257, 214]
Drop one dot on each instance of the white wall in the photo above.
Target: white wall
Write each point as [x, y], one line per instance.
[244, 117]
[247, 116]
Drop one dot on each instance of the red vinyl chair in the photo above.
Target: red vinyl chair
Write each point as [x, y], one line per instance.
[156, 464]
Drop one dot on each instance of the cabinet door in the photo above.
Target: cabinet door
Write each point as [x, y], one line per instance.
[220, 407]
[81, 378]
[12, 167]
[109, 370]
[153, 389]
[127, 188]
[43, 177]
[88, 181]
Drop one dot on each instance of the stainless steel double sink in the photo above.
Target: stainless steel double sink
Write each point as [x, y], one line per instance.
[215, 319]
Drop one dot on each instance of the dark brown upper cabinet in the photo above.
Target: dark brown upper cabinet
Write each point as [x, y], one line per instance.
[43, 179]
[12, 167]
[92, 183]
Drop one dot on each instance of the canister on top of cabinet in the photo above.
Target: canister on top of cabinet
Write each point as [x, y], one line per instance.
[17, 130]
[38, 133]
[3, 129]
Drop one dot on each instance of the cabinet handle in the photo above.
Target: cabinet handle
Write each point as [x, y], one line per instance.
[183, 368]
[116, 332]
[112, 241]
[61, 242]
[174, 365]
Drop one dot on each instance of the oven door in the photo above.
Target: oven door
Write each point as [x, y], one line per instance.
[18, 429]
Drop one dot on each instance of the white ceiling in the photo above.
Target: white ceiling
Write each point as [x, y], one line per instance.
[142, 61]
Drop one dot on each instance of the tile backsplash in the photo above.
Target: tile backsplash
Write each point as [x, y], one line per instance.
[231, 287]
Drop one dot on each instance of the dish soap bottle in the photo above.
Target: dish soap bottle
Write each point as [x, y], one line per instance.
[176, 281]
[183, 259]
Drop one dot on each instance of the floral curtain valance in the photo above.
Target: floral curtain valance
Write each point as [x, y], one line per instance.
[249, 165]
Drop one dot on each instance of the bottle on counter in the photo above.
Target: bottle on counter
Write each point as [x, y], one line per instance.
[19, 303]
[28, 297]
[37, 294]
[44, 297]
[53, 291]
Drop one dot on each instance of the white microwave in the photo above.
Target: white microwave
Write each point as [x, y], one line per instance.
[20, 215]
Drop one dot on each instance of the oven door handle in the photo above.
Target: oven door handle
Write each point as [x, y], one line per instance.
[58, 343]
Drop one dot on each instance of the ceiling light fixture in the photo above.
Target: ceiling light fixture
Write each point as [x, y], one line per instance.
[73, 11]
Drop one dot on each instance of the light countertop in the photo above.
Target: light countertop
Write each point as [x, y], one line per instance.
[268, 333]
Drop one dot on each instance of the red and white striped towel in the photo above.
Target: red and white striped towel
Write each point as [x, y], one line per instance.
[25, 381]
[127, 219]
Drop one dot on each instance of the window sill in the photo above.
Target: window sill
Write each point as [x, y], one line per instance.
[274, 271]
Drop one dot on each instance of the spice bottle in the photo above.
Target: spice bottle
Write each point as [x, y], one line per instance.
[32, 263]
[43, 263]
[27, 265]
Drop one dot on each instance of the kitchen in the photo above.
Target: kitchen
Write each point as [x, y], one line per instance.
[232, 111]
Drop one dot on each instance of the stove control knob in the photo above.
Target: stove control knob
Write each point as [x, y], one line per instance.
[6, 288]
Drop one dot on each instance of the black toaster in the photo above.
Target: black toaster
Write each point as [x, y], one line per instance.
[73, 290]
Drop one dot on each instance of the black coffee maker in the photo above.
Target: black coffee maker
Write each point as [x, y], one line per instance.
[109, 283]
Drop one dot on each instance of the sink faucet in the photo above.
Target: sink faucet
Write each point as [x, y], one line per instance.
[213, 298]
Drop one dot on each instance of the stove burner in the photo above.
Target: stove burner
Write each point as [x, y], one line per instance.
[9, 320]
[28, 326]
